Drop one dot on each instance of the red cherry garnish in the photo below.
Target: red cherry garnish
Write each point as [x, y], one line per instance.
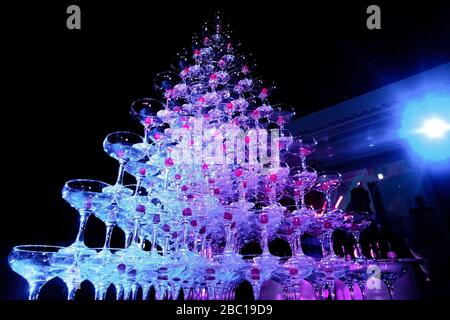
[169, 162]
[148, 121]
[88, 203]
[121, 267]
[187, 212]
[227, 216]
[327, 225]
[140, 208]
[263, 218]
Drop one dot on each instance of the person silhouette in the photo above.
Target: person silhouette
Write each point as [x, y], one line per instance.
[421, 207]
[360, 202]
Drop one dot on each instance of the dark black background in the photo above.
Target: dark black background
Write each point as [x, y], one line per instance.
[64, 90]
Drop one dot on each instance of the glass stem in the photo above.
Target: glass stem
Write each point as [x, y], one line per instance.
[128, 238]
[100, 292]
[154, 249]
[303, 159]
[109, 230]
[302, 199]
[84, 216]
[166, 175]
[322, 245]
[356, 235]
[136, 231]
[145, 292]
[331, 290]
[362, 287]
[299, 249]
[350, 289]
[265, 240]
[138, 184]
[71, 290]
[185, 234]
[119, 292]
[166, 245]
[241, 191]
[121, 172]
[256, 289]
[35, 288]
[330, 243]
[146, 130]
[297, 202]
[228, 244]
[317, 291]
[329, 204]
[390, 287]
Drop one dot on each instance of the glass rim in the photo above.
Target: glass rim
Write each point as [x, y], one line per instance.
[121, 132]
[29, 247]
[133, 104]
[86, 180]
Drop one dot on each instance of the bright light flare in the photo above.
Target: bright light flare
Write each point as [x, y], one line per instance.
[434, 128]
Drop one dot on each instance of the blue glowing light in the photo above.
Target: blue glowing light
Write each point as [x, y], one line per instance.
[426, 126]
[434, 128]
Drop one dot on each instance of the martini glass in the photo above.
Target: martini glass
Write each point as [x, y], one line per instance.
[282, 114]
[136, 206]
[302, 180]
[299, 266]
[317, 279]
[97, 267]
[357, 272]
[165, 82]
[327, 182]
[263, 112]
[243, 175]
[86, 196]
[34, 263]
[273, 184]
[356, 223]
[109, 215]
[141, 170]
[391, 271]
[72, 276]
[146, 112]
[332, 269]
[268, 219]
[120, 146]
[304, 146]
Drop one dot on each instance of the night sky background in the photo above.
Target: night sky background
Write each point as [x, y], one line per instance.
[65, 90]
